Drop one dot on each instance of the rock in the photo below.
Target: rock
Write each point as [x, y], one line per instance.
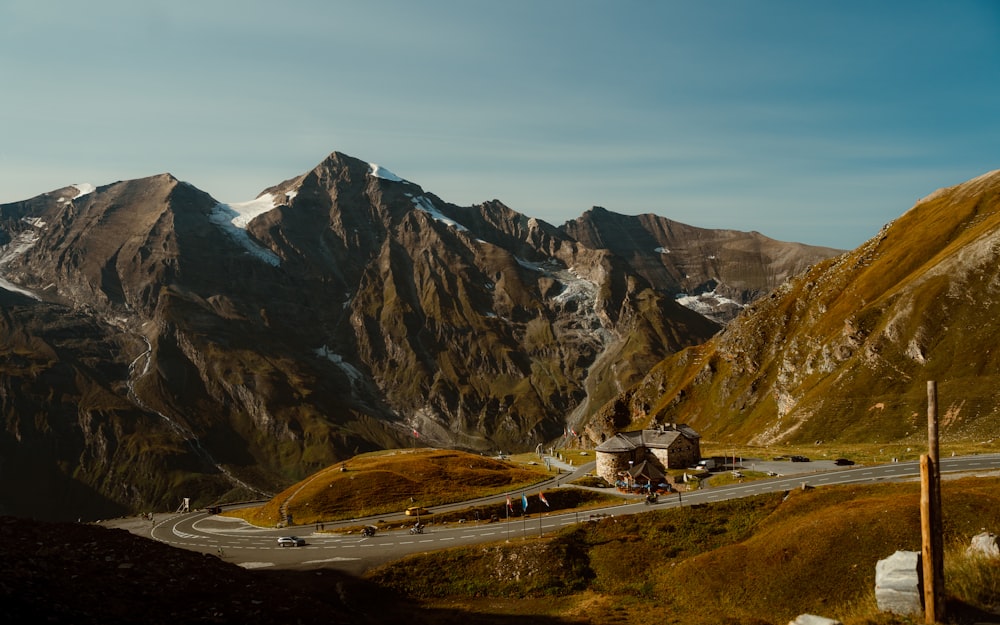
[812, 619]
[984, 545]
[898, 587]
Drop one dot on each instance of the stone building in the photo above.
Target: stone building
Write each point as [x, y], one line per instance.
[647, 453]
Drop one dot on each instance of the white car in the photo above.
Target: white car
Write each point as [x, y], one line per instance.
[291, 541]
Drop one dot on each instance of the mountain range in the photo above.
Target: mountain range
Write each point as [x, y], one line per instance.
[157, 344]
[846, 351]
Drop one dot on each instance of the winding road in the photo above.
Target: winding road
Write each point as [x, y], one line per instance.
[253, 547]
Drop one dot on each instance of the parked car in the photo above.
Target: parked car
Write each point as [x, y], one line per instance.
[291, 541]
[416, 510]
[843, 462]
[799, 459]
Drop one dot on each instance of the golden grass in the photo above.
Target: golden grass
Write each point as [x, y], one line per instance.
[764, 560]
[391, 481]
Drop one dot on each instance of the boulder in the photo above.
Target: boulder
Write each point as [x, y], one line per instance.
[812, 619]
[985, 545]
[898, 584]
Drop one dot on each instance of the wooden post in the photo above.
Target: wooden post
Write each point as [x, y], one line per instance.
[930, 516]
[927, 538]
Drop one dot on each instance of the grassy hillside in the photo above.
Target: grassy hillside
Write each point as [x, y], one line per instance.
[844, 351]
[390, 482]
[761, 560]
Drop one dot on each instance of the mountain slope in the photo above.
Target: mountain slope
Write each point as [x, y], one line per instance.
[722, 265]
[190, 348]
[844, 351]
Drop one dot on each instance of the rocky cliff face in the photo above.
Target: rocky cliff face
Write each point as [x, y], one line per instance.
[158, 344]
[845, 350]
[716, 272]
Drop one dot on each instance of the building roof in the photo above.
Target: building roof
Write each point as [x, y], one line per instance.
[659, 438]
[620, 442]
[647, 470]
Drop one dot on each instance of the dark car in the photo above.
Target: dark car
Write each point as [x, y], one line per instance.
[843, 462]
[799, 459]
[291, 541]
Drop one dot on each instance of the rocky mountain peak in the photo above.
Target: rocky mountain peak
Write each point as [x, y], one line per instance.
[224, 349]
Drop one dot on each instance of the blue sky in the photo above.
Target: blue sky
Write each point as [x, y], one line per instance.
[807, 121]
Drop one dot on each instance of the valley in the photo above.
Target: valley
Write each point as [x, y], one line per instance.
[578, 566]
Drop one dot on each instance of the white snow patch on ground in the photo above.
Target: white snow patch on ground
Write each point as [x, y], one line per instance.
[706, 303]
[247, 211]
[576, 288]
[661, 250]
[233, 219]
[381, 172]
[352, 372]
[18, 246]
[427, 206]
[255, 565]
[34, 221]
[9, 286]
[83, 189]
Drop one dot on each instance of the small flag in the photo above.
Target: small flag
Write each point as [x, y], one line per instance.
[509, 504]
[573, 430]
[541, 497]
[524, 502]
[416, 434]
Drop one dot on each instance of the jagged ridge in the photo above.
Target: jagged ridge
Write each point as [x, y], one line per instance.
[249, 345]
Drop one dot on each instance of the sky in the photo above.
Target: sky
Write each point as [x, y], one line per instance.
[815, 122]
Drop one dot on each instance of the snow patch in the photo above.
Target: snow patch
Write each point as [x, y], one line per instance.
[546, 266]
[576, 289]
[352, 372]
[661, 250]
[381, 172]
[247, 211]
[83, 189]
[10, 286]
[233, 220]
[423, 203]
[255, 565]
[20, 244]
[706, 303]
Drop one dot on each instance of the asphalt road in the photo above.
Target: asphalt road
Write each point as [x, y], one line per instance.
[254, 547]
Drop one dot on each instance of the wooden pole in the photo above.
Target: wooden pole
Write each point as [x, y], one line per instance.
[930, 516]
[927, 538]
